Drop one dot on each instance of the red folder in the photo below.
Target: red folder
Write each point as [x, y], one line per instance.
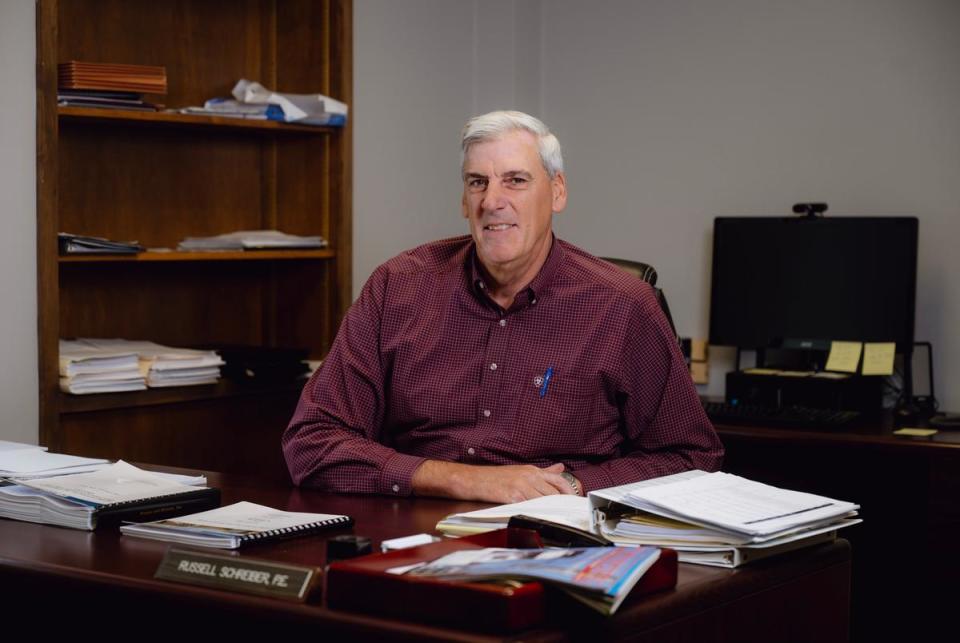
[362, 585]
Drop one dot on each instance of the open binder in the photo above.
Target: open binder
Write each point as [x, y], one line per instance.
[363, 585]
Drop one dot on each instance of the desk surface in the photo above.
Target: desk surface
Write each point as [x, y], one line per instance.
[809, 589]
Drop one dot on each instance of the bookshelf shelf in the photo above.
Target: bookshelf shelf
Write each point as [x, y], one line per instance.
[174, 119]
[223, 390]
[252, 255]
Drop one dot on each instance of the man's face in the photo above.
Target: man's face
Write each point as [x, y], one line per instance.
[509, 201]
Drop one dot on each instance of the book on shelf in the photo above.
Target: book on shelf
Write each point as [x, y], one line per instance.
[79, 75]
[709, 518]
[109, 496]
[71, 244]
[235, 525]
[600, 577]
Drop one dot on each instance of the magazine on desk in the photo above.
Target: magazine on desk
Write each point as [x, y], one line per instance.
[710, 518]
[601, 577]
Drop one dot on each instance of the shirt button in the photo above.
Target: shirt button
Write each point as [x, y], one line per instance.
[486, 413]
[533, 301]
[396, 488]
[503, 322]
[471, 451]
[493, 366]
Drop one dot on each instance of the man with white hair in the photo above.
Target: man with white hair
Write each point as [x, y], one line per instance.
[503, 365]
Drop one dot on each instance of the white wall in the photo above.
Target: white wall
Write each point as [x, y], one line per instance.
[421, 68]
[18, 261]
[671, 112]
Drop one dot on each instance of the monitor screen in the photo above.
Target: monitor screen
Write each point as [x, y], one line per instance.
[800, 282]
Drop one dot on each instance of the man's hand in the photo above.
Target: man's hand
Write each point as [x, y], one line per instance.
[500, 484]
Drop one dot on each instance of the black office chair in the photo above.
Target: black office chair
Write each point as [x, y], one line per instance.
[647, 273]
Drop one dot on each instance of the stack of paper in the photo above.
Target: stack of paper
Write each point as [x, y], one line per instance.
[78, 244]
[30, 461]
[709, 518]
[116, 492]
[167, 366]
[251, 240]
[86, 368]
[717, 518]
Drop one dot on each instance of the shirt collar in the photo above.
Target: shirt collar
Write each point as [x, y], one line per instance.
[534, 290]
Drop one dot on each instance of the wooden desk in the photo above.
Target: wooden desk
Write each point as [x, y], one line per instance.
[105, 581]
[905, 568]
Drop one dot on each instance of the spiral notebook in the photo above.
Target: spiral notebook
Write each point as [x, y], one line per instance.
[236, 525]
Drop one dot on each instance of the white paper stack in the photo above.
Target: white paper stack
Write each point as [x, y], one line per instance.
[165, 366]
[35, 462]
[251, 240]
[86, 368]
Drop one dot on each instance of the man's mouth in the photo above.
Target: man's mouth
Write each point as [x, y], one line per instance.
[498, 227]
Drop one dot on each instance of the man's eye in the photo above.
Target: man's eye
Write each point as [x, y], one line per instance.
[476, 184]
[516, 180]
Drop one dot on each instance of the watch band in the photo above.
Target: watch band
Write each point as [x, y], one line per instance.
[573, 482]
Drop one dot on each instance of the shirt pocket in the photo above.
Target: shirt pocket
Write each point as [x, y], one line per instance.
[564, 420]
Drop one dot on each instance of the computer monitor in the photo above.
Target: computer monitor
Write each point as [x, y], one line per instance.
[801, 282]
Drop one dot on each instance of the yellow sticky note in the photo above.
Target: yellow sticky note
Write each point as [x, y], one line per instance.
[878, 358]
[922, 433]
[844, 356]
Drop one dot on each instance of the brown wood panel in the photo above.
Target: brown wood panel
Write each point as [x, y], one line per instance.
[48, 291]
[238, 435]
[158, 186]
[174, 304]
[205, 45]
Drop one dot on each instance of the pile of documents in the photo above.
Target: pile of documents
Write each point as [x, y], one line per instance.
[114, 493]
[251, 240]
[88, 368]
[165, 365]
[710, 518]
[253, 100]
[113, 365]
[27, 461]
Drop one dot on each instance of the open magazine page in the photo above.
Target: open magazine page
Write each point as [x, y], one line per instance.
[605, 573]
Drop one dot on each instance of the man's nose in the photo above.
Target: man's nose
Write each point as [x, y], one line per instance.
[493, 196]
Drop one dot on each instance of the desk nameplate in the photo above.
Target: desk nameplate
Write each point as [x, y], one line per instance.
[237, 574]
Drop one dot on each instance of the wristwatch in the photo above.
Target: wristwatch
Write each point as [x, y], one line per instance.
[573, 482]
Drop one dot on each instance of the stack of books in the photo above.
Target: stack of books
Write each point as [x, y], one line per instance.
[87, 368]
[109, 85]
[715, 519]
[71, 244]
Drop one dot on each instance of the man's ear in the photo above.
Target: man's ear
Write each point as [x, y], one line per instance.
[559, 186]
[463, 205]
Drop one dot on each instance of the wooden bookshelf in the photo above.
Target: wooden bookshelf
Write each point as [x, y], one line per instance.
[158, 177]
[251, 255]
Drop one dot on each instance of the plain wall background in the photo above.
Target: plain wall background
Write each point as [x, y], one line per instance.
[670, 113]
[18, 218]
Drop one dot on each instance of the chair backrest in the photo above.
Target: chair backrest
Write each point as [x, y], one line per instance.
[647, 273]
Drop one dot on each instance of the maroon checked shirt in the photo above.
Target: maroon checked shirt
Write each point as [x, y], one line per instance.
[582, 369]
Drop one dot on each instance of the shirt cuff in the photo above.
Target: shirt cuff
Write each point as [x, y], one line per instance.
[592, 477]
[397, 474]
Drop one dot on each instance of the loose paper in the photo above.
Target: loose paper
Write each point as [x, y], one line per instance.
[878, 358]
[844, 356]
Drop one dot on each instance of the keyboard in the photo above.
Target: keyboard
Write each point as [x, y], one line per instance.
[788, 416]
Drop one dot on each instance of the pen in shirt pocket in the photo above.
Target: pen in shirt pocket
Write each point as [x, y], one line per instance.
[546, 381]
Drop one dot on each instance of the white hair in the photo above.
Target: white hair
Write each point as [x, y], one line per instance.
[493, 125]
